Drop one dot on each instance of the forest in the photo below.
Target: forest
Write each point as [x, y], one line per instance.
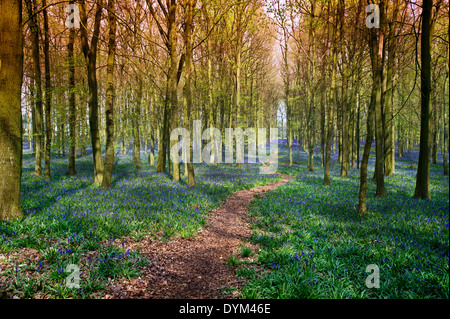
[240, 149]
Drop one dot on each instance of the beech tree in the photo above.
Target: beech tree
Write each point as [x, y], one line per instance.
[90, 55]
[11, 72]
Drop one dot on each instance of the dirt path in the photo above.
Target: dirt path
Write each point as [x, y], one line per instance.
[194, 267]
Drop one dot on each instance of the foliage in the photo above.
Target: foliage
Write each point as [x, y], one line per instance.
[313, 245]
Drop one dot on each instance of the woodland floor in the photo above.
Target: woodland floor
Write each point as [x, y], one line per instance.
[237, 234]
[195, 268]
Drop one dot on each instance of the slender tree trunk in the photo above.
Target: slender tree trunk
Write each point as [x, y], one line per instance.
[362, 198]
[332, 103]
[135, 122]
[357, 137]
[377, 67]
[151, 155]
[445, 138]
[83, 125]
[171, 116]
[11, 72]
[188, 87]
[109, 103]
[48, 95]
[90, 54]
[435, 130]
[445, 125]
[423, 168]
[344, 132]
[33, 116]
[123, 127]
[210, 95]
[72, 110]
[446, 112]
[238, 108]
[389, 145]
[311, 91]
[34, 27]
[322, 130]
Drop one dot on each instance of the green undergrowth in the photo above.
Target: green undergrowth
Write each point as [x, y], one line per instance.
[313, 244]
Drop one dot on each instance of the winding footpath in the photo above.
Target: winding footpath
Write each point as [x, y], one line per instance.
[194, 268]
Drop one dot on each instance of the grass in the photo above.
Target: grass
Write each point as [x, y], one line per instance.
[69, 221]
[313, 244]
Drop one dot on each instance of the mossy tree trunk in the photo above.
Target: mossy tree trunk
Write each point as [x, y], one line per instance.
[11, 72]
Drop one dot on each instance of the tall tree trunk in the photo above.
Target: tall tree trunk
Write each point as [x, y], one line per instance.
[238, 107]
[311, 91]
[210, 90]
[34, 28]
[172, 118]
[377, 55]
[72, 110]
[11, 72]
[445, 125]
[135, 122]
[423, 168]
[188, 87]
[123, 127]
[344, 133]
[332, 103]
[109, 102]
[170, 107]
[357, 137]
[48, 95]
[362, 198]
[289, 133]
[322, 130]
[90, 54]
[435, 129]
[33, 115]
[388, 125]
[151, 155]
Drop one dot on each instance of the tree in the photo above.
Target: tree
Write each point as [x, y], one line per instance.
[11, 72]
[48, 94]
[190, 5]
[423, 167]
[34, 28]
[377, 55]
[72, 108]
[332, 102]
[109, 103]
[375, 49]
[169, 39]
[388, 118]
[90, 55]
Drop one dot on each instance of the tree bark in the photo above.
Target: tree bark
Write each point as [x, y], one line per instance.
[377, 49]
[151, 155]
[388, 125]
[109, 103]
[331, 105]
[11, 72]
[344, 133]
[135, 122]
[362, 198]
[188, 88]
[422, 190]
[72, 110]
[34, 28]
[90, 54]
[48, 95]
